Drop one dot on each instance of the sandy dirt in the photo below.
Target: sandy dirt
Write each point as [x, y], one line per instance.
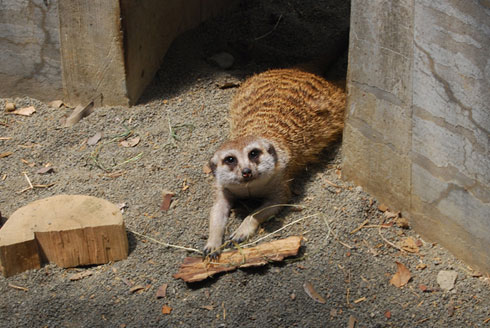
[180, 120]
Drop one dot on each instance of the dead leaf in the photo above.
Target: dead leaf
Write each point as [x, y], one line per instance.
[162, 291]
[402, 223]
[382, 207]
[401, 277]
[136, 288]
[388, 314]
[207, 307]
[408, 244]
[421, 266]
[425, 289]
[391, 215]
[167, 200]
[81, 275]
[313, 293]
[25, 111]
[6, 154]
[44, 170]
[206, 169]
[166, 309]
[56, 103]
[94, 139]
[9, 107]
[130, 142]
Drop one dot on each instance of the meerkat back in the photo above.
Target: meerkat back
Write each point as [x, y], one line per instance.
[299, 111]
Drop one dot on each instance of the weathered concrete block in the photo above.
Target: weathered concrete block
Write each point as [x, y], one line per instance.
[431, 82]
[30, 62]
[389, 171]
[382, 30]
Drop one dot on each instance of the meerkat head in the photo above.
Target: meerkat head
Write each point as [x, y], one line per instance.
[244, 160]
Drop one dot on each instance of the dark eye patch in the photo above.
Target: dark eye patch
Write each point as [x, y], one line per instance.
[254, 154]
[229, 160]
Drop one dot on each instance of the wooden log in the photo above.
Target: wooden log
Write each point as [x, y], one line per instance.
[196, 269]
[69, 230]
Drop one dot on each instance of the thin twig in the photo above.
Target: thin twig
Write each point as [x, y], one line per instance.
[282, 228]
[335, 235]
[275, 205]
[28, 180]
[18, 287]
[273, 29]
[386, 240]
[360, 227]
[166, 244]
[333, 184]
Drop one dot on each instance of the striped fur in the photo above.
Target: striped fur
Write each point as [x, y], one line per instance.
[298, 111]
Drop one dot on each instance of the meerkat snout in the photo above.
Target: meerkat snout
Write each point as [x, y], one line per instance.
[247, 174]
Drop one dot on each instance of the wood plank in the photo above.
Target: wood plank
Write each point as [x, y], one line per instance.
[92, 53]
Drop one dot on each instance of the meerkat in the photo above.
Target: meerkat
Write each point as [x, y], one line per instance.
[281, 120]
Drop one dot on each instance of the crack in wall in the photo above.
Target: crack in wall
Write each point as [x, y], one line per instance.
[447, 88]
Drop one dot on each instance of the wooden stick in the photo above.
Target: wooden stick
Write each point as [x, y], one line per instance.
[196, 269]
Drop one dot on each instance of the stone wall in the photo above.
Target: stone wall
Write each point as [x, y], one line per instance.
[30, 61]
[417, 130]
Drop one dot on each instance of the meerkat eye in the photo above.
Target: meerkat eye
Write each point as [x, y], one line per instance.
[230, 160]
[254, 154]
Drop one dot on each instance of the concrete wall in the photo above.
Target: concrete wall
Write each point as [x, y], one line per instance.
[30, 61]
[417, 130]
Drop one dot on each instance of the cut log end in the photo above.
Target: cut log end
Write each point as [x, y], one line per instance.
[69, 230]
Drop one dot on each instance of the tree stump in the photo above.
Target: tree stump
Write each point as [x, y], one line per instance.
[69, 230]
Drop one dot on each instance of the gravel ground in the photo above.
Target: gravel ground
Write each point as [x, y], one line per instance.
[180, 120]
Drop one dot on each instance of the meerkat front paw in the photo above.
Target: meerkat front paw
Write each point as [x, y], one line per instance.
[245, 230]
[212, 250]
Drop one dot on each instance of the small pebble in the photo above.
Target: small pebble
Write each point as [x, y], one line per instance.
[9, 107]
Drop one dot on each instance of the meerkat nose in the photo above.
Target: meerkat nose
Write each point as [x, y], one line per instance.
[246, 173]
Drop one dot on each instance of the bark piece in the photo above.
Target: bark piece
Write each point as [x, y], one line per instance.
[69, 230]
[196, 269]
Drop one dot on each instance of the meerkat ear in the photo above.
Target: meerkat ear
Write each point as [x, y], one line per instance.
[271, 150]
[212, 165]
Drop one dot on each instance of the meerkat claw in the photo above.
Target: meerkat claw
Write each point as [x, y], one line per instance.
[210, 253]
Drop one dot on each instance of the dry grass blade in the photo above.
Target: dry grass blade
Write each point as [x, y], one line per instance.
[165, 244]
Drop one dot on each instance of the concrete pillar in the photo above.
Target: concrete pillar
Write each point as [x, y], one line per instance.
[417, 130]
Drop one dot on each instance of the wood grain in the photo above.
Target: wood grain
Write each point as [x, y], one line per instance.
[195, 269]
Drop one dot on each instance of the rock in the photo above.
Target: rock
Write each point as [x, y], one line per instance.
[223, 59]
[9, 107]
[447, 279]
